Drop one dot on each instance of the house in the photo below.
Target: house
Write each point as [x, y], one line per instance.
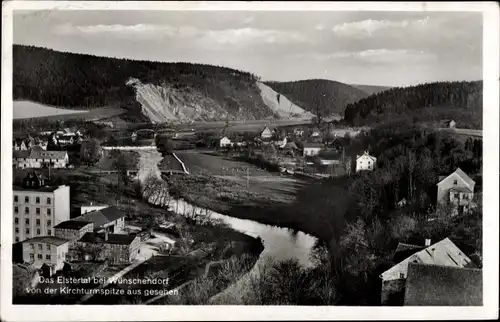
[133, 136]
[298, 132]
[45, 250]
[315, 133]
[312, 148]
[117, 248]
[225, 142]
[19, 145]
[442, 253]
[449, 124]
[66, 139]
[365, 162]
[39, 158]
[402, 203]
[281, 143]
[37, 209]
[91, 207]
[266, 133]
[457, 189]
[406, 250]
[330, 157]
[73, 230]
[109, 219]
[335, 144]
[434, 285]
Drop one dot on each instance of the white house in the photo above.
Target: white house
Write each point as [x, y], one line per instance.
[365, 162]
[457, 189]
[39, 158]
[266, 133]
[225, 142]
[312, 148]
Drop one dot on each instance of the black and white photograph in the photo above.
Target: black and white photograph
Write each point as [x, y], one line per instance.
[253, 155]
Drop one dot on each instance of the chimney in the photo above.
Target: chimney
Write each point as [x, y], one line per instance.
[427, 242]
[106, 235]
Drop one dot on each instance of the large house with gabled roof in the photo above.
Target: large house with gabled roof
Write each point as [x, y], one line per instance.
[456, 189]
[442, 253]
[36, 157]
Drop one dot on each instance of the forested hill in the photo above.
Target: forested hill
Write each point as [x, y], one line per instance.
[371, 89]
[158, 90]
[429, 103]
[319, 96]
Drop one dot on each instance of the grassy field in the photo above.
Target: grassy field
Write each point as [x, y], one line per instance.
[199, 162]
[28, 110]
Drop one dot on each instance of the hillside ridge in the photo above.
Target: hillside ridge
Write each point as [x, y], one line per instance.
[148, 91]
[319, 96]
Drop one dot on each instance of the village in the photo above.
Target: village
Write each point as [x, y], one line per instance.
[53, 241]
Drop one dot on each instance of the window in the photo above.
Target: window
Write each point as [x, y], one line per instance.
[27, 231]
[48, 247]
[49, 201]
[47, 257]
[465, 197]
[38, 231]
[401, 275]
[455, 196]
[17, 239]
[16, 199]
[40, 256]
[27, 210]
[16, 209]
[27, 221]
[17, 230]
[32, 246]
[37, 200]
[49, 212]
[16, 220]
[49, 223]
[32, 257]
[455, 182]
[40, 246]
[37, 211]
[26, 199]
[49, 232]
[38, 222]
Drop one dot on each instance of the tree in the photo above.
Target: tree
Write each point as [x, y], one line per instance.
[91, 151]
[164, 144]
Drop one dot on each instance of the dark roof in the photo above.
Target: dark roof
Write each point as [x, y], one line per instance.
[47, 239]
[102, 216]
[119, 239]
[73, 224]
[404, 251]
[41, 189]
[432, 285]
[330, 155]
[42, 154]
[20, 154]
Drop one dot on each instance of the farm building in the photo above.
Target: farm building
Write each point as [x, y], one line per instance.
[225, 142]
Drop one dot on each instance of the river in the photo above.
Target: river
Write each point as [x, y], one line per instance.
[279, 243]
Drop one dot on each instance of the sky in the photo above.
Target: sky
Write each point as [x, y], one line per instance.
[372, 48]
